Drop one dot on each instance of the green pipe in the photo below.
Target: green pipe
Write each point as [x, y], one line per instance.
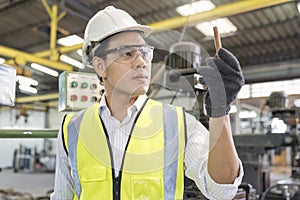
[23, 133]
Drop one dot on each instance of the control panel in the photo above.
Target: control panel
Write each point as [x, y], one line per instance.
[78, 90]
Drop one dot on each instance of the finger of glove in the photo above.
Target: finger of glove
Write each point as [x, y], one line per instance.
[222, 67]
[210, 75]
[229, 58]
[216, 91]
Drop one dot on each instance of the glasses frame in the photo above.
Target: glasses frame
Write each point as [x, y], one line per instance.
[117, 49]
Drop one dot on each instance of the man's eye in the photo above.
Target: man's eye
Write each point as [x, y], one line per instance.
[127, 53]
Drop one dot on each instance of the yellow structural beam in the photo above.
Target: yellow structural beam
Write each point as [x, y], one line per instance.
[53, 14]
[21, 58]
[31, 99]
[46, 53]
[219, 12]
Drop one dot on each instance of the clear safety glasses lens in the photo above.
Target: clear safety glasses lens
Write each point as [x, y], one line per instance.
[128, 54]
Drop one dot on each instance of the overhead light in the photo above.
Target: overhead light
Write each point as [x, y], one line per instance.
[29, 89]
[196, 7]
[79, 52]
[71, 61]
[245, 114]
[233, 109]
[2, 60]
[298, 6]
[70, 40]
[224, 24]
[244, 93]
[27, 81]
[44, 69]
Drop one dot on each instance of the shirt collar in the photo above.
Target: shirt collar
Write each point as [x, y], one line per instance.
[138, 104]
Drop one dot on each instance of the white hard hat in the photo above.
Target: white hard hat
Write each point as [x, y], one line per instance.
[106, 23]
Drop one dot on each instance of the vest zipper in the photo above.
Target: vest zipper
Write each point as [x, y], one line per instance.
[116, 187]
[117, 180]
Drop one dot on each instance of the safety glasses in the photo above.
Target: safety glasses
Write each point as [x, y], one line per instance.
[127, 54]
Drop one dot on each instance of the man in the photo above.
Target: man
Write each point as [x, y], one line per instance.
[132, 147]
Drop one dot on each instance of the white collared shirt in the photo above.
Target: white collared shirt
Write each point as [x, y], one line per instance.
[196, 154]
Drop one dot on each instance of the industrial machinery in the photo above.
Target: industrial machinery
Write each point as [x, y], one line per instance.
[255, 149]
[181, 76]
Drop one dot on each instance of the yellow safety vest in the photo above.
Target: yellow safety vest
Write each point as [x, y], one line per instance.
[152, 167]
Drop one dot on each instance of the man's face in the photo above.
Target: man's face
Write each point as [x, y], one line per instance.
[120, 76]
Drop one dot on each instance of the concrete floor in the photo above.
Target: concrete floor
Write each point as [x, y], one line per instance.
[37, 184]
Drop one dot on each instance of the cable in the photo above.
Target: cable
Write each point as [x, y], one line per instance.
[186, 23]
[173, 98]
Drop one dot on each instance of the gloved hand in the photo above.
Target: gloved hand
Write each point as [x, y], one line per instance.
[224, 79]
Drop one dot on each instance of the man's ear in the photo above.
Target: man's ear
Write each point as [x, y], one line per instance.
[99, 66]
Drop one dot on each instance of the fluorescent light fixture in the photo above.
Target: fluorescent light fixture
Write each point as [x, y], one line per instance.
[244, 114]
[244, 93]
[71, 61]
[224, 26]
[27, 81]
[297, 103]
[298, 6]
[233, 109]
[29, 89]
[70, 40]
[2, 60]
[44, 69]
[79, 52]
[196, 7]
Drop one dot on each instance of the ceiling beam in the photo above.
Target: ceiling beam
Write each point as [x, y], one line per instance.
[226, 10]
[271, 72]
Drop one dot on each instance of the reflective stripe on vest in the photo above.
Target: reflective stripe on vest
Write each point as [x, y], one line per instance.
[137, 178]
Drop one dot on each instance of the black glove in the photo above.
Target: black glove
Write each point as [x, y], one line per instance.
[224, 79]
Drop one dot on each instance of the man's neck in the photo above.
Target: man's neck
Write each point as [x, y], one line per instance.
[118, 104]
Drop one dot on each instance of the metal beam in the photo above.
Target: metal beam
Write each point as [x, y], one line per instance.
[21, 58]
[37, 98]
[219, 12]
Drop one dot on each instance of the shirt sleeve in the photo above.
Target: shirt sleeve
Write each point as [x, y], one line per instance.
[64, 184]
[196, 157]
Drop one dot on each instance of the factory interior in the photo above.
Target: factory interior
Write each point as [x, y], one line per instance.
[42, 78]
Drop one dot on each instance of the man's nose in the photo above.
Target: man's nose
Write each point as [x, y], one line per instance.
[139, 61]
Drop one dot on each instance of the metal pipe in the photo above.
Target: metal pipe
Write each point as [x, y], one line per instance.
[37, 98]
[22, 133]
